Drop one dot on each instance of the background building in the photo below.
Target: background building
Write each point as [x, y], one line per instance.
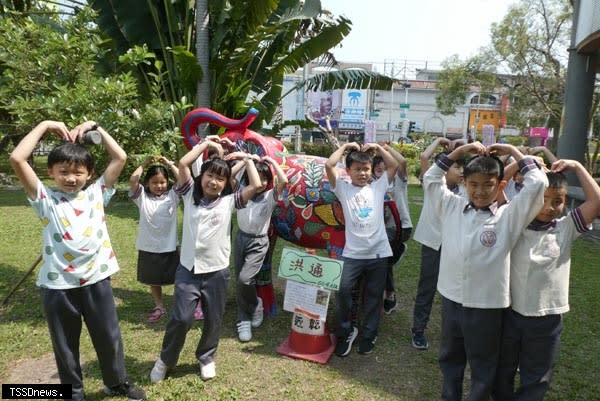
[388, 112]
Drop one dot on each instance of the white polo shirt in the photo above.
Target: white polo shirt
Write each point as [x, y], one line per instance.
[255, 218]
[476, 244]
[157, 227]
[428, 227]
[540, 265]
[363, 215]
[206, 237]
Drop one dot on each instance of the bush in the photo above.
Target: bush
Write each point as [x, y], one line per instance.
[314, 149]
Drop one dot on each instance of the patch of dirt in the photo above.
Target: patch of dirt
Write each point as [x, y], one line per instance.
[40, 370]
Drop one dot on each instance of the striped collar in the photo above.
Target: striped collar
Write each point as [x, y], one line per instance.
[491, 208]
[537, 225]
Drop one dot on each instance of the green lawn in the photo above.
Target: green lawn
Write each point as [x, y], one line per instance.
[254, 371]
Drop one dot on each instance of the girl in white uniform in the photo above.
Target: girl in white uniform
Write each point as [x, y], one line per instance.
[203, 273]
[157, 230]
[252, 243]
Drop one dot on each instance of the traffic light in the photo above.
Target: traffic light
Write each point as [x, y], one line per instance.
[411, 127]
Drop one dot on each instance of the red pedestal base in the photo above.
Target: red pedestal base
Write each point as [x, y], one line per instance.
[308, 347]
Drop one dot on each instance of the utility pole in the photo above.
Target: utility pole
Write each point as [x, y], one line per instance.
[390, 134]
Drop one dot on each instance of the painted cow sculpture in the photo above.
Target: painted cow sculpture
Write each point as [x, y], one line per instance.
[309, 214]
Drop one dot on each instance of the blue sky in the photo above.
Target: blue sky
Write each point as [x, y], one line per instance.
[415, 29]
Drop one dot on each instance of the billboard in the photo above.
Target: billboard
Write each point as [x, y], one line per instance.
[354, 108]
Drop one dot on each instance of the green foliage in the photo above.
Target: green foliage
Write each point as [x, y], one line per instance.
[252, 45]
[48, 71]
[314, 149]
[156, 40]
[408, 150]
[530, 41]
[525, 61]
[516, 140]
[458, 78]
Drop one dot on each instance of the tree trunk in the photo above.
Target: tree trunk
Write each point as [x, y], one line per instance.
[203, 53]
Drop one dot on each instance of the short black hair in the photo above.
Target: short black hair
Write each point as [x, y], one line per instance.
[376, 161]
[357, 156]
[557, 180]
[69, 152]
[489, 165]
[217, 166]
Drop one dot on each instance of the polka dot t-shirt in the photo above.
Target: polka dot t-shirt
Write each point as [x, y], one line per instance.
[76, 248]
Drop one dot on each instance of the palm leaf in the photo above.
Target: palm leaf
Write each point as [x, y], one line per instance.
[345, 79]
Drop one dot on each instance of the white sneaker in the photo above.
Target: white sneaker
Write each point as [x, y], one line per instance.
[244, 331]
[257, 316]
[208, 371]
[159, 371]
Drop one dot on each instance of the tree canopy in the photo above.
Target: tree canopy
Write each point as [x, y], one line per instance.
[527, 59]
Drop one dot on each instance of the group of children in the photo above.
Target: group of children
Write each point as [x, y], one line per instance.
[79, 260]
[501, 265]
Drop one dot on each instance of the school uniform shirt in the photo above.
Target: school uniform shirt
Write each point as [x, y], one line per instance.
[206, 238]
[540, 265]
[512, 189]
[76, 247]
[157, 228]
[255, 218]
[363, 215]
[428, 227]
[476, 244]
[398, 191]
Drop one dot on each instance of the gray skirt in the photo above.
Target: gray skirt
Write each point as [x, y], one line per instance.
[157, 268]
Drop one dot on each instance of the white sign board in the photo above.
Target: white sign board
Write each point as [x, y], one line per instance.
[308, 297]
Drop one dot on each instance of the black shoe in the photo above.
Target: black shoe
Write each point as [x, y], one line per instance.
[419, 341]
[390, 304]
[131, 391]
[344, 344]
[366, 345]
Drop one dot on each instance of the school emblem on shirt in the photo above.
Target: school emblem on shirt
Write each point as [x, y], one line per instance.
[488, 238]
[214, 221]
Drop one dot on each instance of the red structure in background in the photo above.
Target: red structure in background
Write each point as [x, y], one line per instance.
[309, 213]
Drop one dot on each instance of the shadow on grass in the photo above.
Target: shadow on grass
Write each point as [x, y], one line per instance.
[24, 304]
[13, 196]
[133, 307]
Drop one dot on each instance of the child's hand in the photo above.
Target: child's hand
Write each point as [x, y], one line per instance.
[220, 140]
[268, 159]
[350, 146]
[58, 128]
[370, 146]
[227, 142]
[235, 155]
[164, 161]
[445, 143]
[564, 165]
[76, 134]
[216, 146]
[501, 149]
[149, 160]
[474, 148]
[239, 155]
